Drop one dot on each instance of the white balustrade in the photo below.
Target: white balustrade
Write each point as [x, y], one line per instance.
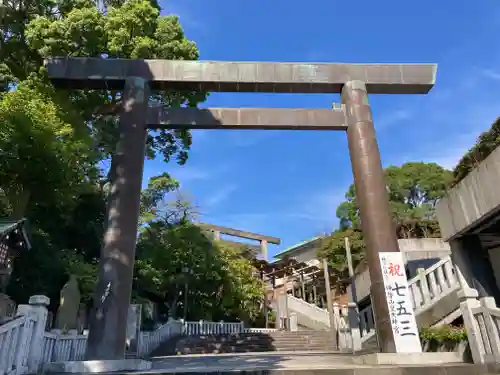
[24, 345]
[59, 347]
[260, 330]
[211, 328]
[15, 345]
[482, 322]
[150, 340]
[426, 289]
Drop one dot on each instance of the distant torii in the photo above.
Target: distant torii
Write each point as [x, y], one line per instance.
[263, 240]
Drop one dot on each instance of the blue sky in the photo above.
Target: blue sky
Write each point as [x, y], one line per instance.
[288, 184]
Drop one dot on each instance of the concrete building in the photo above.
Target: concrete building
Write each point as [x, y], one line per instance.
[469, 217]
[418, 253]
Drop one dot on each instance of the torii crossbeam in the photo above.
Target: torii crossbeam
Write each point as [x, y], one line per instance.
[138, 77]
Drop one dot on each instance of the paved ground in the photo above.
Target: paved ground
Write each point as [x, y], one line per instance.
[251, 361]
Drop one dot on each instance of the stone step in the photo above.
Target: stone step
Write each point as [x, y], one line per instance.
[248, 342]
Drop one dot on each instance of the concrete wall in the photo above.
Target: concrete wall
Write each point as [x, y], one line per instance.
[475, 197]
[418, 253]
[303, 253]
[307, 253]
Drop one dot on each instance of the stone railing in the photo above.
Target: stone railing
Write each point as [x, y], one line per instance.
[309, 310]
[344, 318]
[150, 340]
[482, 322]
[59, 347]
[211, 328]
[25, 345]
[21, 339]
[71, 346]
[427, 289]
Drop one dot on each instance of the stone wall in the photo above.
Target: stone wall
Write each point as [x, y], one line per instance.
[472, 199]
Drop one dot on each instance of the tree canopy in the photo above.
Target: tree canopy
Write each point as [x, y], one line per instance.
[485, 144]
[55, 148]
[414, 190]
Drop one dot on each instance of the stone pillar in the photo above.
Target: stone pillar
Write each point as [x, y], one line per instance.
[329, 302]
[134, 327]
[473, 262]
[303, 286]
[354, 325]
[294, 326]
[38, 306]
[263, 249]
[108, 323]
[375, 215]
[216, 235]
[469, 303]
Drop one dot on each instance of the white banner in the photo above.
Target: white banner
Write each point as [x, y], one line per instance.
[404, 325]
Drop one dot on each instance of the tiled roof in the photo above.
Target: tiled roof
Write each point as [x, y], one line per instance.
[8, 226]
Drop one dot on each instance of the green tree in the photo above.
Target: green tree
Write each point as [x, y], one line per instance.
[333, 249]
[243, 291]
[485, 144]
[53, 143]
[414, 190]
[44, 158]
[174, 255]
[131, 29]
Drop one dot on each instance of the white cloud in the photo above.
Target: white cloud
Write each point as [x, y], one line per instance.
[220, 195]
[187, 173]
[491, 74]
[393, 118]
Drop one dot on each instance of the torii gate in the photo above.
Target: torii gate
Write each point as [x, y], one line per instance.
[217, 230]
[137, 77]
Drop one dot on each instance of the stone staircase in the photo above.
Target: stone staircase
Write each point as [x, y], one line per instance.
[433, 294]
[273, 341]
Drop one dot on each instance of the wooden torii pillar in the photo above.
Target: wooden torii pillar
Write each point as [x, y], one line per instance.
[137, 77]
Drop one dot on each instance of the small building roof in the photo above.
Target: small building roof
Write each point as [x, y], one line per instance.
[296, 248]
[9, 226]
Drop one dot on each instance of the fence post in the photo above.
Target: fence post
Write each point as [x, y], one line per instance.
[293, 322]
[468, 303]
[424, 286]
[336, 324]
[38, 304]
[488, 303]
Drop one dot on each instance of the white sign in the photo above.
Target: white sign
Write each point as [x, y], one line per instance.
[404, 325]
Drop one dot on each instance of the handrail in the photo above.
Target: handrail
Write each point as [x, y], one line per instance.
[305, 303]
[17, 321]
[430, 269]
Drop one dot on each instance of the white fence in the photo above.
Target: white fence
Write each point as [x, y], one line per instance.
[59, 347]
[482, 322]
[24, 344]
[15, 340]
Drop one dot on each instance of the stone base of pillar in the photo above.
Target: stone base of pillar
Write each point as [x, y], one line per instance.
[395, 359]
